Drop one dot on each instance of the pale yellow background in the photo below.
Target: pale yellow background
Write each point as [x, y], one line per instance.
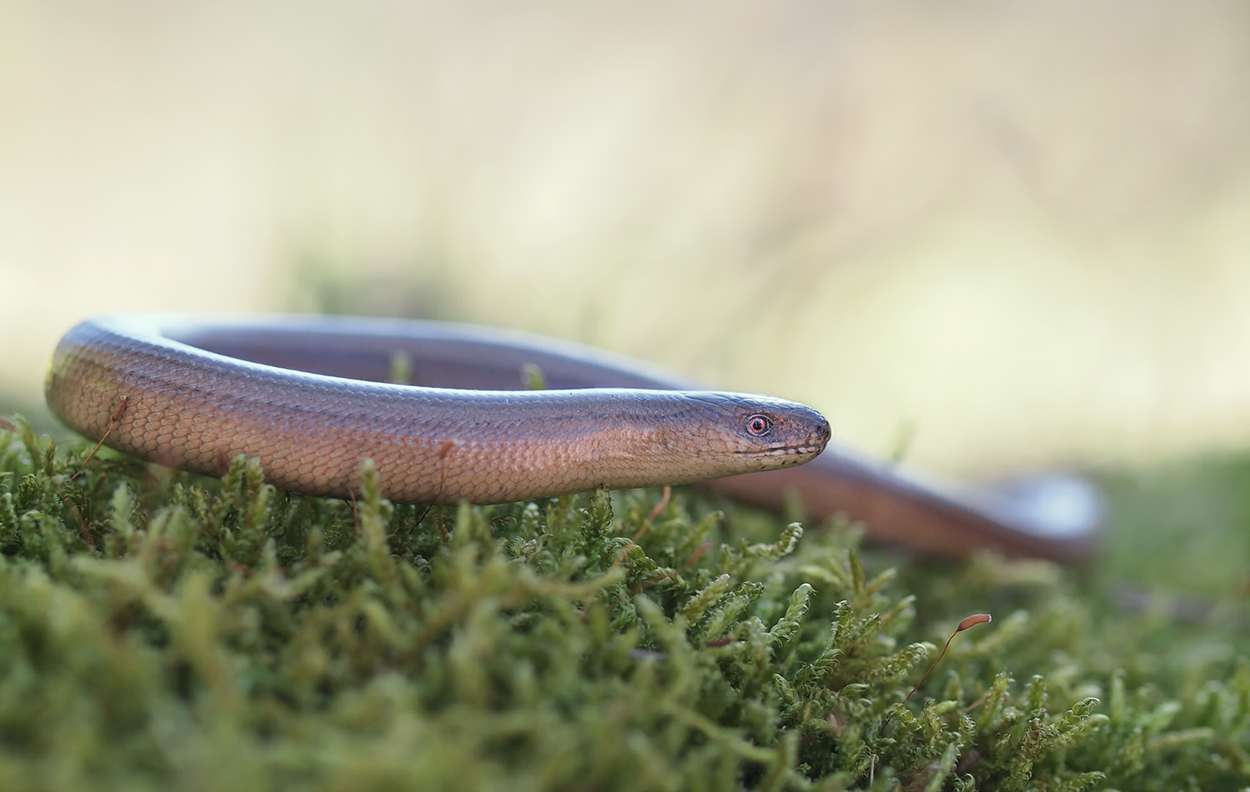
[1019, 230]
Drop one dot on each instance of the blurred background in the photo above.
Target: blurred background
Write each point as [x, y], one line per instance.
[988, 236]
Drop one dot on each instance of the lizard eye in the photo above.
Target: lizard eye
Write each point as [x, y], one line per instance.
[759, 425]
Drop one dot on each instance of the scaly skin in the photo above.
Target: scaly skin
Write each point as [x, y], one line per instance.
[192, 401]
[185, 408]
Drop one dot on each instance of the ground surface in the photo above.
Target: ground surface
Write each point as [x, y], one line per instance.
[164, 632]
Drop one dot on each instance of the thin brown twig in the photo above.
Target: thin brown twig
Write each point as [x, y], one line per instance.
[117, 416]
[971, 621]
[443, 451]
[690, 562]
[646, 525]
[351, 501]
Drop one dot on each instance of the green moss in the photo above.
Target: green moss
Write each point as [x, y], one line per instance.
[162, 631]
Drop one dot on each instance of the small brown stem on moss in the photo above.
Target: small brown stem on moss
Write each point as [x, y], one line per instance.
[443, 451]
[984, 697]
[83, 531]
[690, 562]
[351, 501]
[117, 416]
[971, 621]
[646, 525]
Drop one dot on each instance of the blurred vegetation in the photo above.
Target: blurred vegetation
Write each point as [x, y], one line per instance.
[1184, 527]
[36, 413]
[163, 631]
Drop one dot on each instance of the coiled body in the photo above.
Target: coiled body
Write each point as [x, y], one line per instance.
[309, 396]
[186, 407]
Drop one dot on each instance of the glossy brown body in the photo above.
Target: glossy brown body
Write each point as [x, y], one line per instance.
[185, 407]
[304, 395]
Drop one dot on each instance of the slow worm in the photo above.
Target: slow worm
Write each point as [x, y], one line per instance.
[311, 398]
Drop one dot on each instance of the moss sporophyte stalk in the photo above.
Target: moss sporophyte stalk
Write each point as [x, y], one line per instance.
[159, 629]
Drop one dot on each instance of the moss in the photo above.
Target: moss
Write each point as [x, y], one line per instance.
[161, 631]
